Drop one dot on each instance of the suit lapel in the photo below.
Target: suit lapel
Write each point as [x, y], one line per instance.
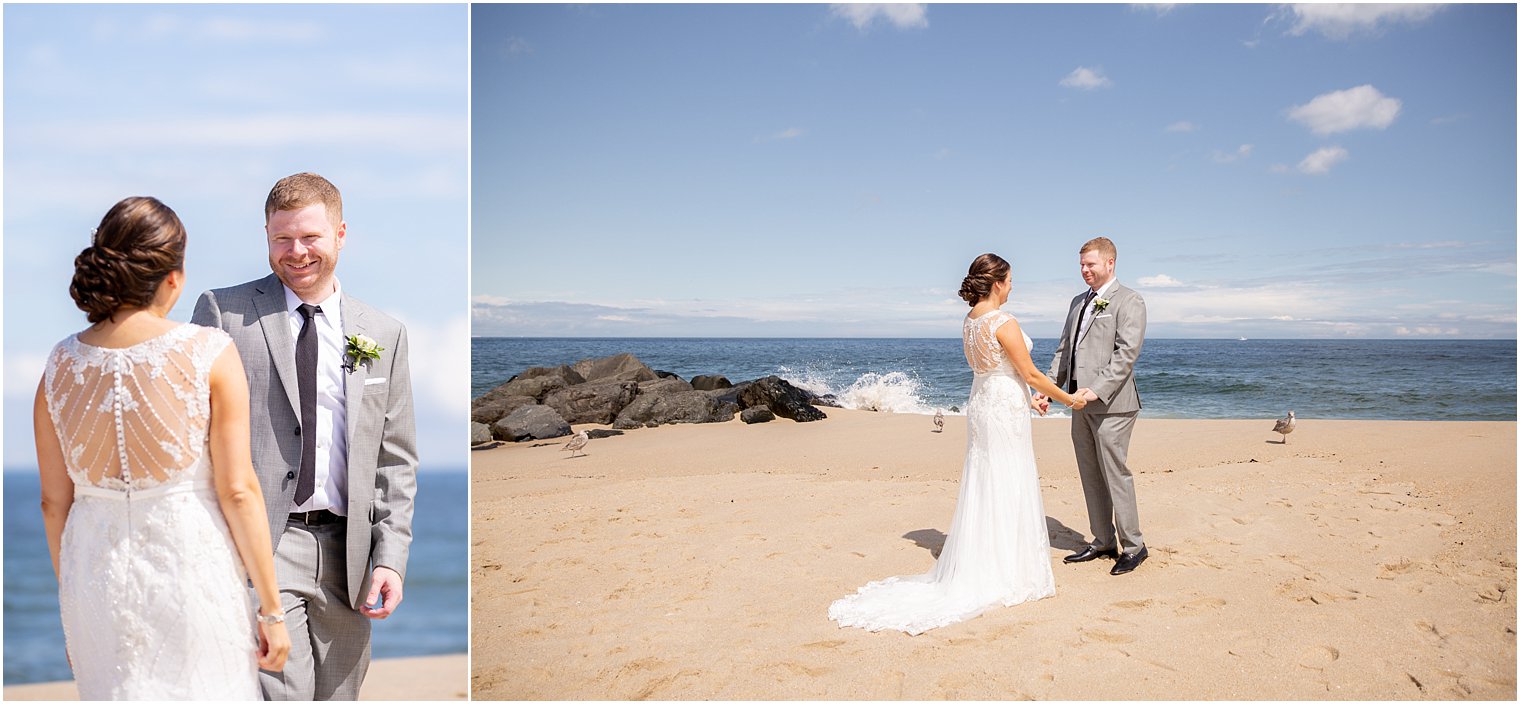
[353, 381]
[1113, 292]
[274, 318]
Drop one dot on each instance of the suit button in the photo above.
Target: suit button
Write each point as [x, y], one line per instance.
[298, 430]
[290, 475]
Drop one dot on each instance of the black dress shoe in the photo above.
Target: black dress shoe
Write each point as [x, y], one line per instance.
[1091, 553]
[1128, 562]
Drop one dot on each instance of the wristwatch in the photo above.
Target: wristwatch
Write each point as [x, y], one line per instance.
[272, 619]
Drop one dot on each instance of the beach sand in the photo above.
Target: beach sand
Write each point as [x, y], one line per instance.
[429, 678]
[1362, 560]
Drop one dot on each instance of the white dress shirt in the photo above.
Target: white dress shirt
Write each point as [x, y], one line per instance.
[331, 487]
[1087, 317]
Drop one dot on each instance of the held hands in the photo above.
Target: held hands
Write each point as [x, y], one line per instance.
[1041, 403]
[274, 646]
[384, 594]
[1080, 399]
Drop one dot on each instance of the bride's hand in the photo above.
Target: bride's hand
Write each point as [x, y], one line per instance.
[1078, 400]
[1041, 404]
[274, 646]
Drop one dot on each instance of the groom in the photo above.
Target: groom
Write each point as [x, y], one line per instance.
[332, 439]
[1099, 345]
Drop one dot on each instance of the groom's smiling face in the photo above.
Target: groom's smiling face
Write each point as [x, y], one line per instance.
[303, 249]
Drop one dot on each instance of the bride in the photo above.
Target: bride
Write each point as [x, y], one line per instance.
[148, 494]
[997, 550]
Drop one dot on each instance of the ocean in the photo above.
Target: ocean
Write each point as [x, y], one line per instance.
[433, 618]
[1343, 379]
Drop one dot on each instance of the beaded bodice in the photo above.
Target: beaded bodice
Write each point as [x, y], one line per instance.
[136, 417]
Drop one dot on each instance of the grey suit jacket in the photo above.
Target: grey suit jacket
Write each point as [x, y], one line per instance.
[382, 438]
[1106, 354]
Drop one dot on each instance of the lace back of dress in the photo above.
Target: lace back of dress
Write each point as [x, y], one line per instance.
[979, 337]
[136, 417]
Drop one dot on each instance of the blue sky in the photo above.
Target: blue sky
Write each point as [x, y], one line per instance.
[205, 107]
[814, 170]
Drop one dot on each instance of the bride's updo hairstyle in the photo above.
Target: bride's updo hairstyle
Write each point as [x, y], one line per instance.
[139, 243]
[986, 270]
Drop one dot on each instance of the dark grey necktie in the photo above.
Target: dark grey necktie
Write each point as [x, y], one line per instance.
[306, 383]
[1071, 349]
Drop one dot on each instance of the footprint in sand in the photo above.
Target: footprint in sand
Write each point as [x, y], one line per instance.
[1106, 636]
[830, 644]
[1131, 604]
[1201, 604]
[1318, 657]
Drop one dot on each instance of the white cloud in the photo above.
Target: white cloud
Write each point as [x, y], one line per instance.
[1320, 161]
[1426, 331]
[164, 27]
[789, 133]
[1343, 110]
[899, 15]
[416, 133]
[1160, 281]
[1160, 8]
[517, 45]
[1086, 79]
[1240, 152]
[1341, 21]
[1183, 126]
[22, 372]
[440, 363]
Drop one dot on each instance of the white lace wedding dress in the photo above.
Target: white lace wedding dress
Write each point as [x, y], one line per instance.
[152, 593]
[997, 551]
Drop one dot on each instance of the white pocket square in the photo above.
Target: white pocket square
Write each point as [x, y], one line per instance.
[1105, 315]
[374, 380]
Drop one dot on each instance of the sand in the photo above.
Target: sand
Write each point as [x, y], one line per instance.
[430, 678]
[1361, 560]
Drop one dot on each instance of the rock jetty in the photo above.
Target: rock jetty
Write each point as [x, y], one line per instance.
[623, 392]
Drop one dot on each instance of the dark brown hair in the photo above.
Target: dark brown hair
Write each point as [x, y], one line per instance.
[139, 243]
[986, 270]
[297, 191]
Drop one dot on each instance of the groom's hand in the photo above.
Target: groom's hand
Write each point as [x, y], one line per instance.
[1042, 403]
[384, 593]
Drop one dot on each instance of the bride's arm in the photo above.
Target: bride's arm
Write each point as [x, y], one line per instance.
[241, 499]
[57, 487]
[1012, 339]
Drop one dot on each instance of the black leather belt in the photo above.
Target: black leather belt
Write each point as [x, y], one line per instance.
[319, 517]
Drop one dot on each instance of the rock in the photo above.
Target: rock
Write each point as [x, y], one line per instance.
[599, 433]
[562, 371]
[618, 367]
[650, 410]
[480, 433]
[829, 400]
[758, 414]
[592, 402]
[710, 382]
[533, 387]
[663, 386]
[530, 423]
[730, 394]
[781, 398]
[488, 411]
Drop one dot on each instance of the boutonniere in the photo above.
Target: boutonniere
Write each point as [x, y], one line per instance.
[361, 349]
[1099, 304]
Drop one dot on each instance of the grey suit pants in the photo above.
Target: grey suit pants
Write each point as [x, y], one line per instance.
[1101, 441]
[329, 640]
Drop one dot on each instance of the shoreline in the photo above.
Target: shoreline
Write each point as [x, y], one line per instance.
[423, 678]
[1362, 560]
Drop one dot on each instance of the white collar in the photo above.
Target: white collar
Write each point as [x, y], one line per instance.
[1101, 289]
[330, 305]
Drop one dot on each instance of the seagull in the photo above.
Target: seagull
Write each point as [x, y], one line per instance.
[577, 444]
[1285, 426]
[939, 421]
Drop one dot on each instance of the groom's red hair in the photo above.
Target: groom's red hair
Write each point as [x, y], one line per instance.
[1103, 245]
[297, 191]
